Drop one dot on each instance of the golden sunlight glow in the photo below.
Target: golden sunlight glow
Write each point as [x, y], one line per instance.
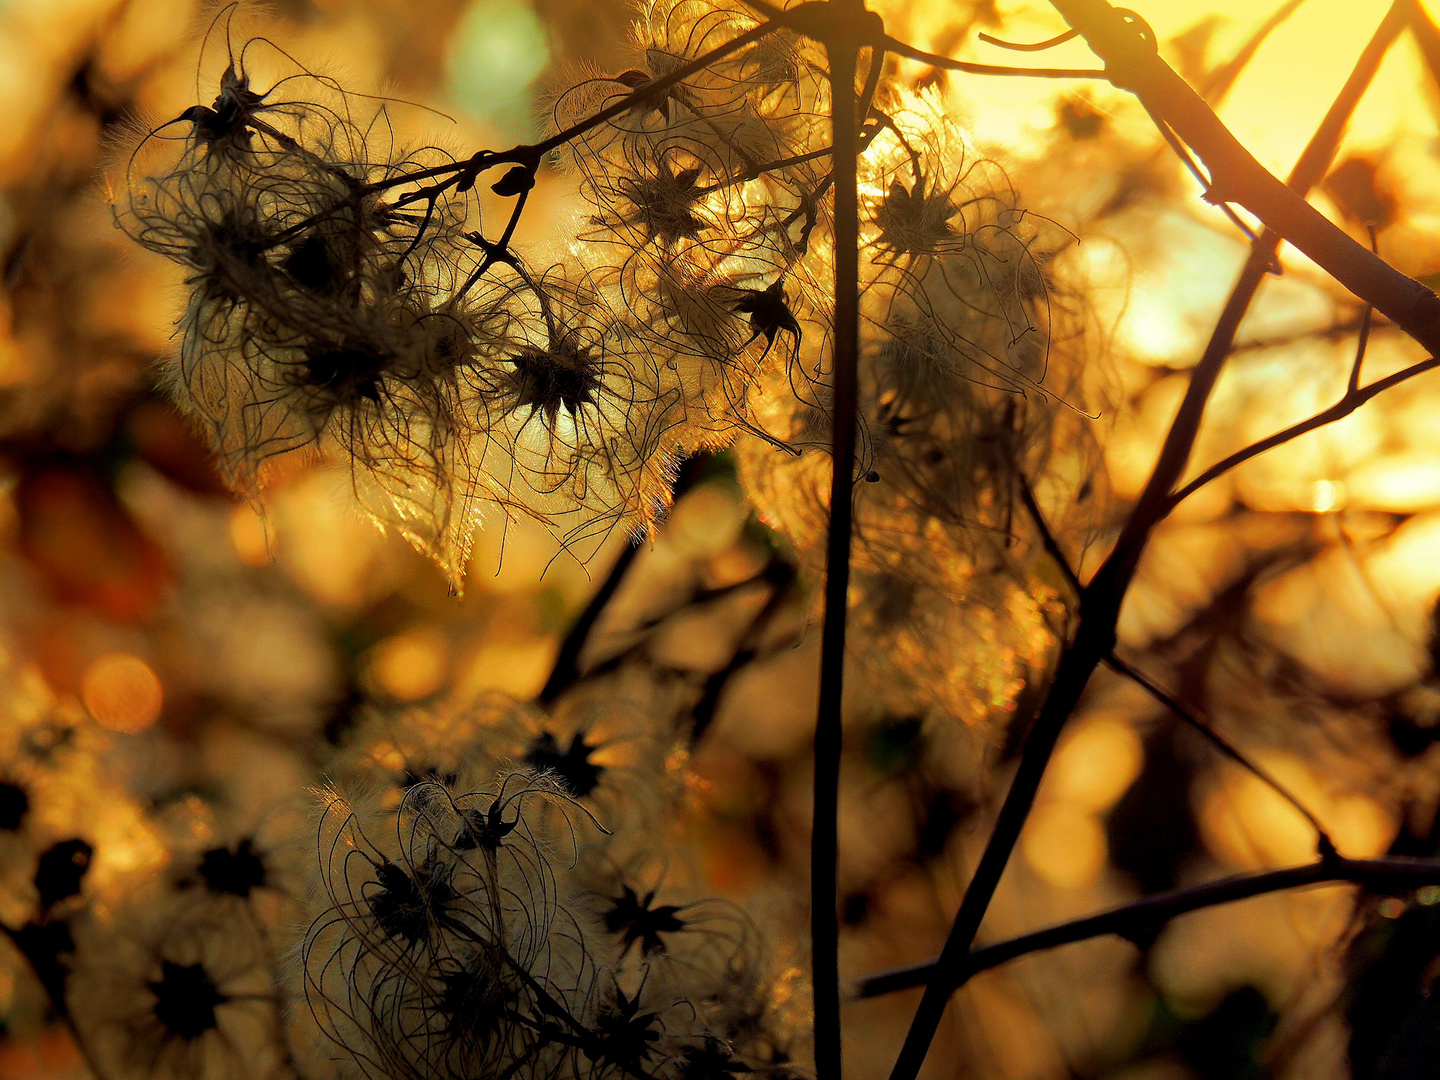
[1246, 824]
[1280, 98]
[324, 543]
[1095, 764]
[1064, 840]
[411, 665]
[253, 536]
[126, 844]
[1401, 483]
[514, 666]
[1327, 496]
[1064, 845]
[122, 692]
[1358, 620]
[330, 389]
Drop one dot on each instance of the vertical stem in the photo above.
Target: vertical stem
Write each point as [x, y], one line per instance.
[843, 53]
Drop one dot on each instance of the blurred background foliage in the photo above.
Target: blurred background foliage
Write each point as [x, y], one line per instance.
[198, 662]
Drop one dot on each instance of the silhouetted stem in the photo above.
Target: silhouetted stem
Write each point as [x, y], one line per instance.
[936, 60]
[1156, 500]
[55, 993]
[566, 669]
[1094, 639]
[780, 576]
[843, 52]
[1325, 845]
[1047, 535]
[1141, 920]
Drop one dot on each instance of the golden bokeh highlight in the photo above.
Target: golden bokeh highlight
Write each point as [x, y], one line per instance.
[518, 667]
[1328, 496]
[122, 692]
[253, 536]
[1095, 764]
[1247, 824]
[325, 544]
[410, 665]
[1064, 845]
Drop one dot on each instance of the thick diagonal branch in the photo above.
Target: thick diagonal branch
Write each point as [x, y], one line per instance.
[1100, 601]
[1131, 62]
[1155, 500]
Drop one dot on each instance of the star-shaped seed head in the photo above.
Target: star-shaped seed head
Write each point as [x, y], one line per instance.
[917, 221]
[660, 102]
[348, 370]
[665, 203]
[635, 920]
[475, 997]
[769, 313]
[402, 903]
[548, 380]
[711, 1060]
[229, 255]
[228, 117]
[625, 1035]
[664, 102]
[236, 871]
[186, 998]
[60, 870]
[485, 830]
[573, 767]
[14, 805]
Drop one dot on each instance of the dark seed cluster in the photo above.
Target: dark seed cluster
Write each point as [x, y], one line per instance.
[346, 296]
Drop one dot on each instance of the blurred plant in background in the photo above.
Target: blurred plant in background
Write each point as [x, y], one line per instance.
[274, 801]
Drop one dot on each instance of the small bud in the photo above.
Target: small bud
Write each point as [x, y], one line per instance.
[515, 182]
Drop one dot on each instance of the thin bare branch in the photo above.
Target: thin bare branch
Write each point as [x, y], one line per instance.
[1341, 409]
[780, 576]
[461, 174]
[1364, 340]
[1047, 535]
[1188, 160]
[1141, 920]
[1034, 46]
[1324, 844]
[1155, 500]
[54, 992]
[1352, 387]
[566, 669]
[899, 48]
